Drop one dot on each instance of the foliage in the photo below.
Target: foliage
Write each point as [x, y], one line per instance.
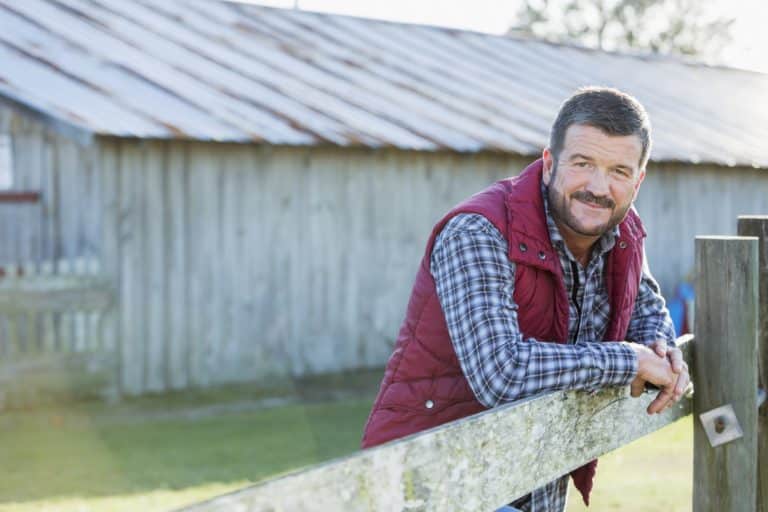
[659, 26]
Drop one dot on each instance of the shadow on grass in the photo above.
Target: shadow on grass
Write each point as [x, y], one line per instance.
[181, 440]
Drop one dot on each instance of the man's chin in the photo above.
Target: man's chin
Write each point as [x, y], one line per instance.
[589, 230]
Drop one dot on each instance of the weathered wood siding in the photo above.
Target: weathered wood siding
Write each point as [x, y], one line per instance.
[678, 202]
[243, 262]
[50, 349]
[65, 225]
[238, 263]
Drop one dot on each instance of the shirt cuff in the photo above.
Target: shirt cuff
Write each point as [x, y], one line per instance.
[618, 364]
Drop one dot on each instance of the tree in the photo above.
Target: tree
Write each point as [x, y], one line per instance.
[659, 26]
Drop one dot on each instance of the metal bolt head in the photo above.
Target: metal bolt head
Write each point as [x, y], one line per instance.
[720, 423]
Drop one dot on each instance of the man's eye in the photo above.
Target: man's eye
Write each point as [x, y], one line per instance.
[623, 172]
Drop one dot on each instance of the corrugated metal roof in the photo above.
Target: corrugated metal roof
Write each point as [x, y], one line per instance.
[223, 71]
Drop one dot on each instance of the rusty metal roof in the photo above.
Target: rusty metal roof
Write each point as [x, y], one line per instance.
[223, 71]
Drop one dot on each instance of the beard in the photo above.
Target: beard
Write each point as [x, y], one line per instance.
[560, 209]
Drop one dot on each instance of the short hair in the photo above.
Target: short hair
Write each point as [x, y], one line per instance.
[610, 110]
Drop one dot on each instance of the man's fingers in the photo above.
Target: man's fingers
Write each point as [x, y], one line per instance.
[681, 385]
[676, 358]
[660, 347]
[660, 402]
[637, 388]
[670, 395]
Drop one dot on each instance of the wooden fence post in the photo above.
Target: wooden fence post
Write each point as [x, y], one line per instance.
[758, 226]
[725, 371]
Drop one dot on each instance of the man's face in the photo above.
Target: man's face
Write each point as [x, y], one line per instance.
[594, 181]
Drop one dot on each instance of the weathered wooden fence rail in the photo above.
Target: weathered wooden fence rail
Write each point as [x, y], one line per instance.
[484, 461]
[478, 463]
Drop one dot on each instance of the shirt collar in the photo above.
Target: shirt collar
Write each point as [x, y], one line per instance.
[604, 244]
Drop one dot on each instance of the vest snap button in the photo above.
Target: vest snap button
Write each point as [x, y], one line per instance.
[429, 404]
[542, 256]
[523, 247]
[623, 244]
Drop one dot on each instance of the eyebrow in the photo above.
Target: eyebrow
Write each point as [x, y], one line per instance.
[579, 156]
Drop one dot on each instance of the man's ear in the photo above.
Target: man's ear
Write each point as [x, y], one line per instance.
[547, 158]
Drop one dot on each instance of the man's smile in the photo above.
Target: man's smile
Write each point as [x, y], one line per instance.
[590, 204]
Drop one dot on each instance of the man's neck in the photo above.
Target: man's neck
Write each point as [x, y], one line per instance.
[579, 245]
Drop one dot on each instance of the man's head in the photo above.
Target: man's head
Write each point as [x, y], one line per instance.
[599, 147]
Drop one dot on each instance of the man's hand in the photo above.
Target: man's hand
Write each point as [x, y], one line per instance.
[679, 366]
[663, 367]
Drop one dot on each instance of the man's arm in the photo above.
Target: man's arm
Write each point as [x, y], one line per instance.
[475, 285]
[650, 320]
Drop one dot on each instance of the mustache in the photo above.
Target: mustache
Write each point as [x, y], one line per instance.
[589, 197]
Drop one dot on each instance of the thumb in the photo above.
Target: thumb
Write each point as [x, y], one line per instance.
[660, 347]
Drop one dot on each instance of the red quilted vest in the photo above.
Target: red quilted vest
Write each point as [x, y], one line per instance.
[423, 385]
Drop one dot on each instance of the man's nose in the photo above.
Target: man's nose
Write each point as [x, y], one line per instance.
[598, 183]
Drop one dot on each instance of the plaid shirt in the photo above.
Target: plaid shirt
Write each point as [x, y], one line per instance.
[475, 283]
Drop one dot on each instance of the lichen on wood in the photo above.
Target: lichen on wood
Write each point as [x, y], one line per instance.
[474, 464]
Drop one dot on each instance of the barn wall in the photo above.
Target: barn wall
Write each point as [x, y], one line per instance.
[65, 225]
[678, 202]
[239, 263]
[246, 263]
[49, 242]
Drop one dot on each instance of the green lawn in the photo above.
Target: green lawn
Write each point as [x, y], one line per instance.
[163, 453]
[650, 475]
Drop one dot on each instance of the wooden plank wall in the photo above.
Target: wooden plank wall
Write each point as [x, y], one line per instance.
[678, 203]
[245, 263]
[58, 235]
[240, 263]
[248, 263]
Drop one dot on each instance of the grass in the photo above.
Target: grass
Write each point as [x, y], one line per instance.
[160, 453]
[651, 474]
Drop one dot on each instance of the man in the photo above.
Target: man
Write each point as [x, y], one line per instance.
[533, 285]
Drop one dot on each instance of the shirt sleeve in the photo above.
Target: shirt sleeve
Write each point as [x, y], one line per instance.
[475, 284]
[650, 317]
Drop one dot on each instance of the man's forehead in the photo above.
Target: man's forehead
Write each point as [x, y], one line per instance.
[589, 141]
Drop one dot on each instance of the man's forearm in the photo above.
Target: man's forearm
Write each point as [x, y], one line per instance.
[474, 281]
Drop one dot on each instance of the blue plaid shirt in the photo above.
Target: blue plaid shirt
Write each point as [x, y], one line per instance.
[475, 284]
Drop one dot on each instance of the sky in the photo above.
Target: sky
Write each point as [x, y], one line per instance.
[749, 49]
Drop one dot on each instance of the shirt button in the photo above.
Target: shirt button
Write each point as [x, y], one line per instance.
[429, 404]
[542, 256]
[623, 244]
[523, 247]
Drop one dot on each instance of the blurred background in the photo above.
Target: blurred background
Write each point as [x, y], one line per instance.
[211, 214]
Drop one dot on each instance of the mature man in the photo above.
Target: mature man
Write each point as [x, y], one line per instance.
[523, 284]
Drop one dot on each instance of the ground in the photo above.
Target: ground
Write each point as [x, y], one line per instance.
[158, 453]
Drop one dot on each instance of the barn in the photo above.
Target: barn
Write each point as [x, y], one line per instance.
[252, 187]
